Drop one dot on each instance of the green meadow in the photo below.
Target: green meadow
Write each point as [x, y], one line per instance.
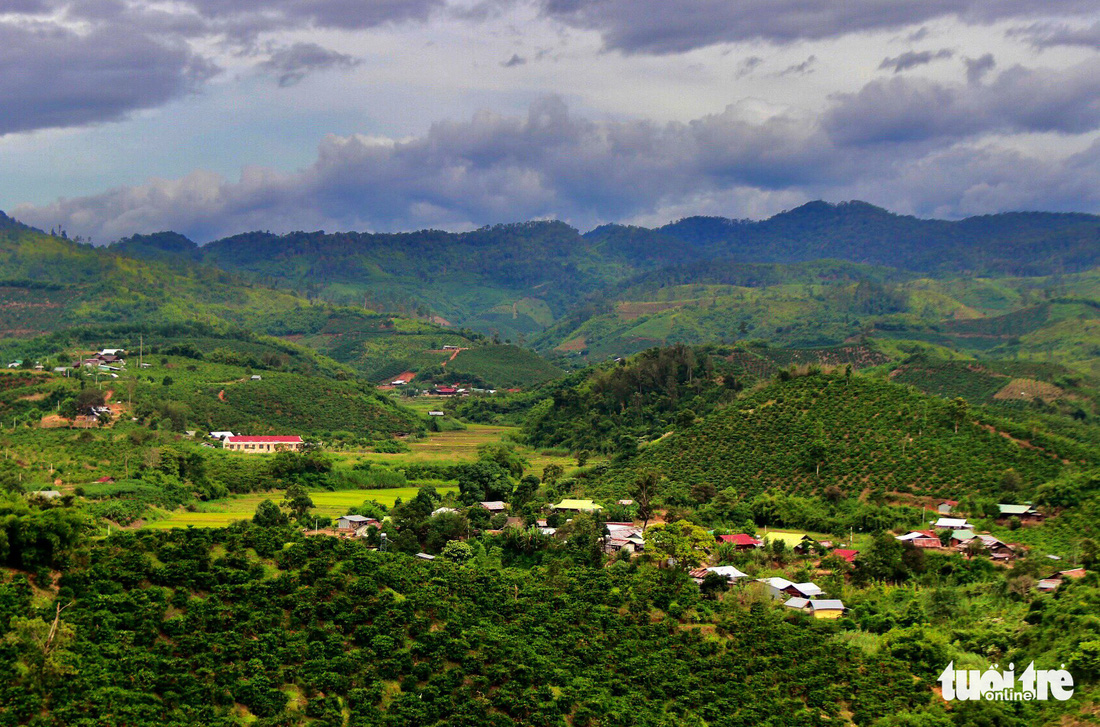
[219, 513]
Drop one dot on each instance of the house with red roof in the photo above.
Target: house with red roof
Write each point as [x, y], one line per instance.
[262, 444]
[845, 554]
[740, 541]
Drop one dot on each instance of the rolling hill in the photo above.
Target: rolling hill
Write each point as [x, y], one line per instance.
[516, 279]
[72, 293]
[862, 436]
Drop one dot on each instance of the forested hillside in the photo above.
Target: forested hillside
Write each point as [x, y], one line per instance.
[56, 288]
[515, 281]
[215, 627]
[817, 432]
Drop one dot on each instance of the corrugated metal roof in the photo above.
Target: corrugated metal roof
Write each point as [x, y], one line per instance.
[264, 440]
[1007, 509]
[798, 603]
[808, 589]
[827, 604]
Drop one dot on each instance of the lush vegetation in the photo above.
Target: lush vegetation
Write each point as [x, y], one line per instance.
[148, 576]
[219, 626]
[815, 431]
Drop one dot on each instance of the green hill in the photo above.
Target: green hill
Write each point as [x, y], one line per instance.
[863, 436]
[53, 284]
[508, 367]
[513, 280]
[184, 387]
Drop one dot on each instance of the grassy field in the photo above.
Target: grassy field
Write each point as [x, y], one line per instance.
[454, 447]
[219, 513]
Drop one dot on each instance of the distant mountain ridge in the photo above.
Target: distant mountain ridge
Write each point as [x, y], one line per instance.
[515, 280]
[1012, 243]
[816, 275]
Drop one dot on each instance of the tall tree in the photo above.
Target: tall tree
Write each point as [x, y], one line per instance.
[644, 490]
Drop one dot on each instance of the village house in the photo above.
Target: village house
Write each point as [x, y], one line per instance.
[740, 541]
[779, 588]
[493, 506]
[262, 444]
[731, 574]
[827, 608]
[945, 507]
[351, 522]
[1053, 582]
[960, 538]
[809, 545]
[952, 523]
[1025, 513]
[623, 537]
[845, 554]
[921, 539]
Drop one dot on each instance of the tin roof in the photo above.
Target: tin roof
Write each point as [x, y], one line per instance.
[827, 604]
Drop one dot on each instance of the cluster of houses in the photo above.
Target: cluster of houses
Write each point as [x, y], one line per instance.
[959, 533]
[805, 597]
[18, 364]
[108, 361]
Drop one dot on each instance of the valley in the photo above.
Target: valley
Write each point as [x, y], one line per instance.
[768, 470]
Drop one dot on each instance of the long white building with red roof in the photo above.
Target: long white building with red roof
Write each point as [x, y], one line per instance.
[262, 444]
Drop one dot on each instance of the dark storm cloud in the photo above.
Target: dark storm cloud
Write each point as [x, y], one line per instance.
[915, 145]
[906, 110]
[659, 26]
[67, 63]
[52, 77]
[912, 59]
[291, 64]
[243, 19]
[486, 169]
[515, 60]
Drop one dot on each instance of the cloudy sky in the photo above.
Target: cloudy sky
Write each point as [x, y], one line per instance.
[213, 117]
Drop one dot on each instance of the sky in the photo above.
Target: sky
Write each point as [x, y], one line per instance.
[214, 117]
